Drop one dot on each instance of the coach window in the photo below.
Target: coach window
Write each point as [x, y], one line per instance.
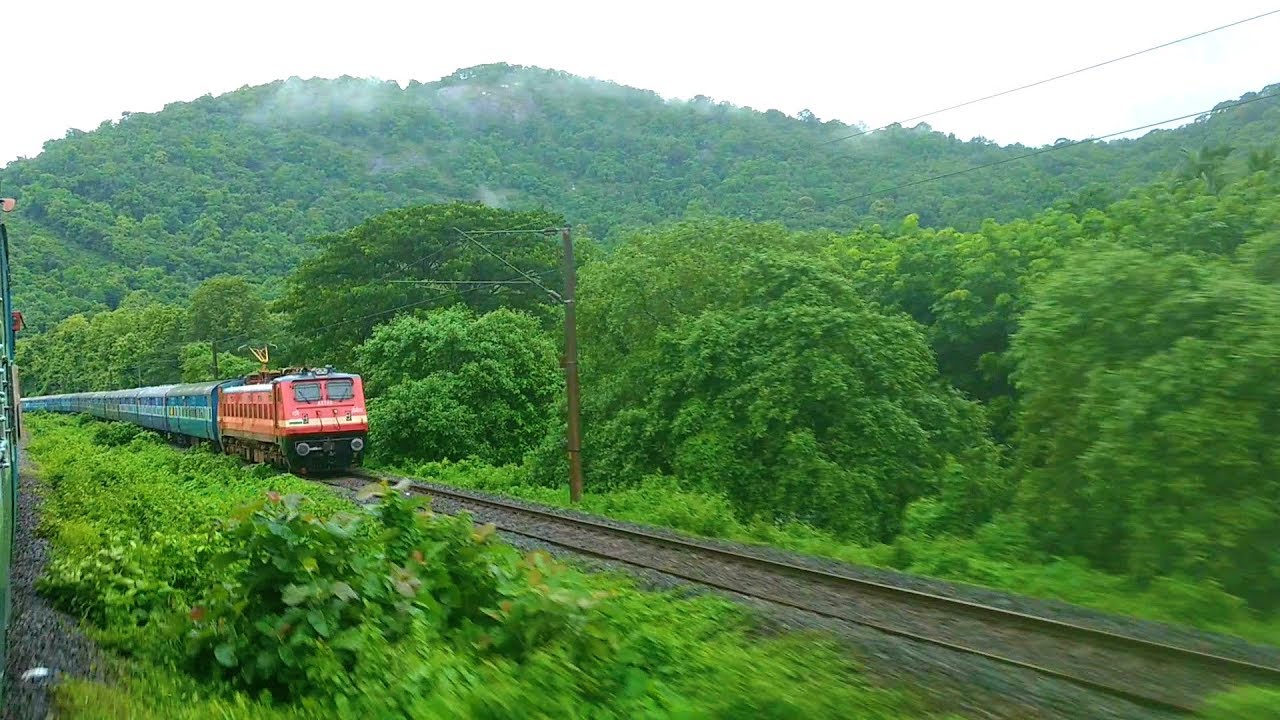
[306, 391]
[339, 389]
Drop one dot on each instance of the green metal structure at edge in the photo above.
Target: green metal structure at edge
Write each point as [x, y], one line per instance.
[9, 432]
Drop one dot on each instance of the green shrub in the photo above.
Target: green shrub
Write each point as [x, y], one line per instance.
[115, 434]
[1253, 703]
[279, 600]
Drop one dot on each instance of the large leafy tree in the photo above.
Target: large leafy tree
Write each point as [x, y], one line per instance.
[966, 289]
[196, 360]
[227, 308]
[731, 355]
[1185, 217]
[450, 384]
[134, 345]
[364, 276]
[1150, 406]
[969, 289]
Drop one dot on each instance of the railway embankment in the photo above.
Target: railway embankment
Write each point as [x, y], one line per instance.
[46, 645]
[211, 585]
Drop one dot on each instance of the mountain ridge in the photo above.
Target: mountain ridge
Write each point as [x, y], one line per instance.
[237, 183]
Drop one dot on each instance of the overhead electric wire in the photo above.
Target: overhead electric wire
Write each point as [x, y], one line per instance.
[525, 231]
[1077, 71]
[438, 251]
[509, 264]
[419, 261]
[1052, 148]
[439, 296]
[431, 255]
[405, 306]
[521, 229]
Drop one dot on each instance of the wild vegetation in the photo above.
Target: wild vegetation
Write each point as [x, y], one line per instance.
[1076, 404]
[234, 592]
[1000, 380]
[234, 184]
[450, 383]
[142, 342]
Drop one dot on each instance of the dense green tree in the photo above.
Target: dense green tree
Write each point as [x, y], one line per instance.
[227, 308]
[1186, 218]
[1261, 257]
[969, 289]
[364, 276]
[449, 384]
[732, 356]
[137, 344]
[965, 288]
[1206, 164]
[1261, 159]
[1150, 392]
[196, 361]
[142, 342]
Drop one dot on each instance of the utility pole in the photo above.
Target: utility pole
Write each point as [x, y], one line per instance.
[571, 370]
[213, 347]
[570, 361]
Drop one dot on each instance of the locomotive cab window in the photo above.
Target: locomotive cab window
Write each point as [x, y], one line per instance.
[306, 391]
[340, 389]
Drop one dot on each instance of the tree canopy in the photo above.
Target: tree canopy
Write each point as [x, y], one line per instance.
[1150, 407]
[363, 276]
[236, 184]
[450, 384]
[729, 355]
[228, 308]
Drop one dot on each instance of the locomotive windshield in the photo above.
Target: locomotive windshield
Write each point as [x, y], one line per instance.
[340, 389]
[306, 391]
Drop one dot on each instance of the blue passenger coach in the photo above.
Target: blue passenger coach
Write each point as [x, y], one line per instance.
[184, 411]
[193, 409]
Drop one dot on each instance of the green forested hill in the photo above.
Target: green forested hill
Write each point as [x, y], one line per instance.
[237, 183]
[1078, 398]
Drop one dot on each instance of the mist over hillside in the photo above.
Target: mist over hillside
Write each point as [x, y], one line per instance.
[239, 182]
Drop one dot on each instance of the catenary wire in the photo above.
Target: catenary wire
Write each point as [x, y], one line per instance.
[1051, 148]
[1077, 71]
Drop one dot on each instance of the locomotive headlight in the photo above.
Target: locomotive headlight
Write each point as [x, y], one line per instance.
[302, 449]
[357, 444]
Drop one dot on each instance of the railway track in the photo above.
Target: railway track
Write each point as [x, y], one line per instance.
[1153, 674]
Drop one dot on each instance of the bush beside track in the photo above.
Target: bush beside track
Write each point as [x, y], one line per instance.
[236, 592]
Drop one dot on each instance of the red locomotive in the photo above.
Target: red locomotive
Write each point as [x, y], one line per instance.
[302, 420]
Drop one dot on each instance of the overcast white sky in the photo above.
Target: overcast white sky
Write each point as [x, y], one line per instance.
[75, 64]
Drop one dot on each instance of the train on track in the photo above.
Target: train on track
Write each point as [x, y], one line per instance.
[301, 420]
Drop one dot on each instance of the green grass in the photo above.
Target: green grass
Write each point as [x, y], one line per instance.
[139, 550]
[1246, 703]
[998, 556]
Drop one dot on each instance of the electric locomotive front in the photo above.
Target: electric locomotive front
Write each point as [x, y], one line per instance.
[322, 419]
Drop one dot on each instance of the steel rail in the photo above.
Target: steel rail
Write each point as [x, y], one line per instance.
[1150, 649]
